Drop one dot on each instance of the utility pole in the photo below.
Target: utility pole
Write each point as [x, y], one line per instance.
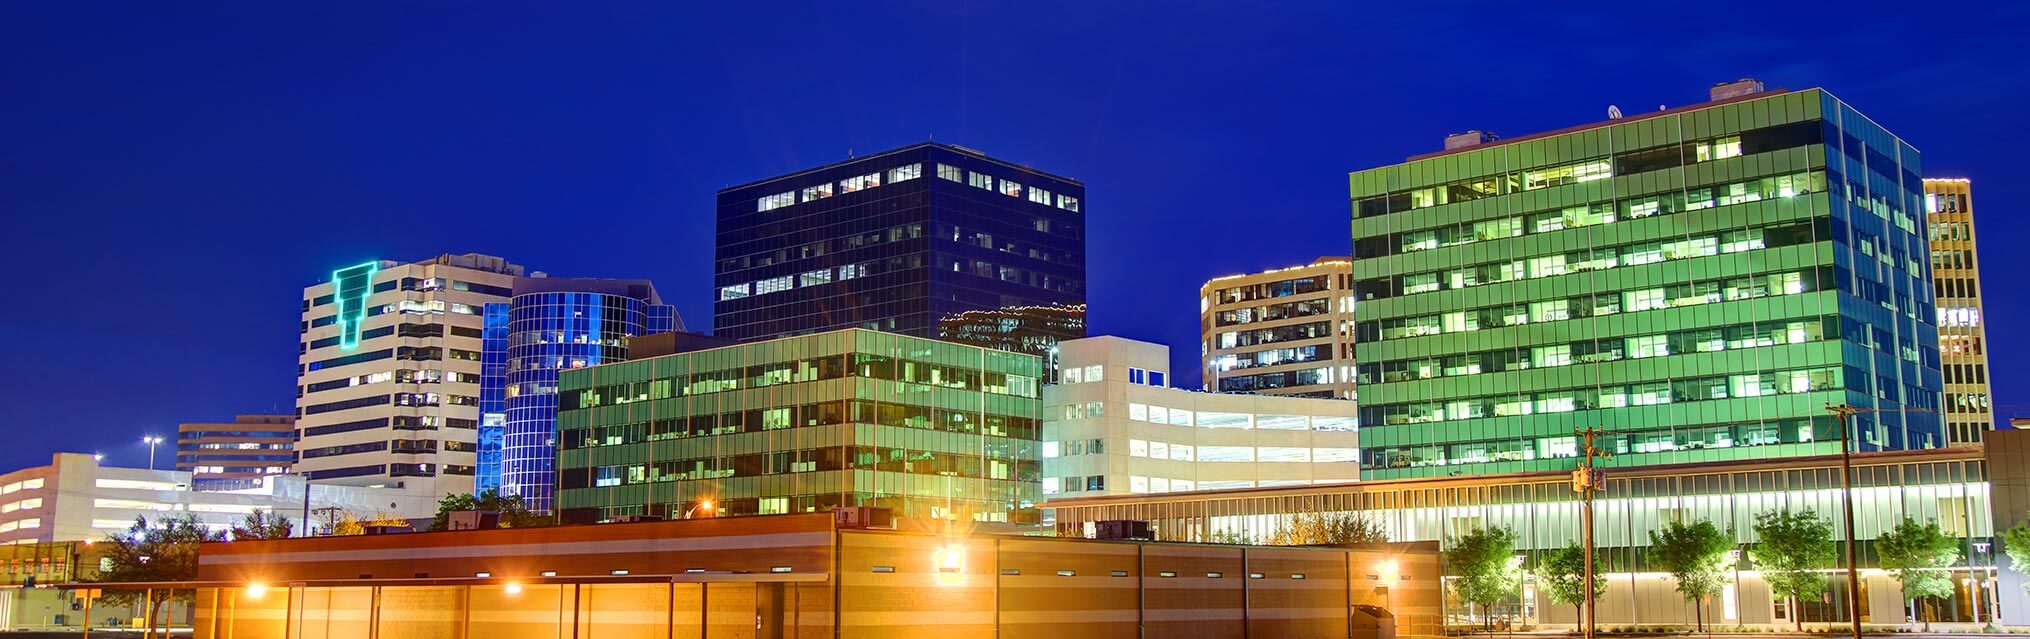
[1842, 412]
[1586, 481]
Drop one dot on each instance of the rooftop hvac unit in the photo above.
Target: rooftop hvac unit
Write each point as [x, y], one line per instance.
[1122, 529]
[863, 517]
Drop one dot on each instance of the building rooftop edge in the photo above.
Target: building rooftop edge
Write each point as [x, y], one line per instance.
[1626, 472]
[1605, 123]
[908, 147]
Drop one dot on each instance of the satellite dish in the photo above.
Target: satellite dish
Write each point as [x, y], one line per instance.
[1613, 112]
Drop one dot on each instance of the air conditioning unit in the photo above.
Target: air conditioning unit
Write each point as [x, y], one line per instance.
[859, 517]
[474, 519]
[1122, 529]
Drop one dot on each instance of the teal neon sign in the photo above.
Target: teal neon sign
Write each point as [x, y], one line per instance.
[350, 287]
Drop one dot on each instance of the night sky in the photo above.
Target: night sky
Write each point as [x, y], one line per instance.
[172, 174]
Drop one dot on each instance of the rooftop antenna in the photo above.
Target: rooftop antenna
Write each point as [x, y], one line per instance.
[1613, 112]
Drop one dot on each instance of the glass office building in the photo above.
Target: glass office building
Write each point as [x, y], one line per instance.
[1699, 282]
[550, 325]
[804, 424]
[895, 241]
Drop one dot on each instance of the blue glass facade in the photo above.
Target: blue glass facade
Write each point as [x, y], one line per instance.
[895, 241]
[492, 396]
[528, 341]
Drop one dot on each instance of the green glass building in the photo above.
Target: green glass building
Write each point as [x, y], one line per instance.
[1699, 282]
[802, 424]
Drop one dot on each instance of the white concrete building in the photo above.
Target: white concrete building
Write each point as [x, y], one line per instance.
[388, 372]
[76, 499]
[1112, 425]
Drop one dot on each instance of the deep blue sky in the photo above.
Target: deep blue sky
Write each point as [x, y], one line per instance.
[172, 174]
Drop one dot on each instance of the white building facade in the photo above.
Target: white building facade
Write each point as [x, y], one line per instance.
[1113, 426]
[76, 499]
[388, 379]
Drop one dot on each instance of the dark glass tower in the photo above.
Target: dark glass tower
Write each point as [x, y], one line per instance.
[550, 325]
[895, 241]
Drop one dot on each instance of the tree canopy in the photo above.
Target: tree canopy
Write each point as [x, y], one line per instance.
[164, 551]
[1791, 548]
[263, 525]
[2016, 542]
[1919, 556]
[1563, 572]
[1320, 529]
[1485, 563]
[1696, 556]
[513, 513]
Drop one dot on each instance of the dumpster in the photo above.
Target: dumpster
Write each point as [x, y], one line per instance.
[1373, 622]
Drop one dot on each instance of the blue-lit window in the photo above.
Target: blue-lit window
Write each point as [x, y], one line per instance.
[1134, 376]
[1156, 378]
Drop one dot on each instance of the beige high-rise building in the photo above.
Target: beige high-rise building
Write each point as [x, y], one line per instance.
[388, 376]
[1283, 332]
[1962, 331]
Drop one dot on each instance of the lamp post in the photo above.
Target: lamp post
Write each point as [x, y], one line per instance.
[706, 505]
[151, 441]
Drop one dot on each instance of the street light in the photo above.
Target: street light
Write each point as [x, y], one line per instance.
[151, 441]
[706, 505]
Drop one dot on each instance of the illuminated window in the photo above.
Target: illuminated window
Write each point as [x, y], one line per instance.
[733, 292]
[1039, 196]
[905, 173]
[814, 278]
[980, 180]
[774, 284]
[776, 201]
[859, 182]
[949, 172]
[1011, 188]
[1067, 203]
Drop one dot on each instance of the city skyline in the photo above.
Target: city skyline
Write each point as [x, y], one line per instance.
[164, 179]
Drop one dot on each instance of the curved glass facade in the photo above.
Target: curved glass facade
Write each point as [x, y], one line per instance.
[546, 333]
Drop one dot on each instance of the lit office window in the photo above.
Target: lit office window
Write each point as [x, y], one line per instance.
[1067, 203]
[818, 192]
[905, 173]
[733, 292]
[980, 180]
[777, 201]
[774, 284]
[859, 182]
[814, 278]
[1039, 196]
[1011, 188]
[950, 172]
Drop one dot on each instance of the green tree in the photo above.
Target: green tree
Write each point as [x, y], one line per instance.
[1563, 572]
[1791, 548]
[513, 513]
[1485, 565]
[165, 551]
[263, 525]
[2016, 542]
[1695, 555]
[1323, 529]
[1919, 556]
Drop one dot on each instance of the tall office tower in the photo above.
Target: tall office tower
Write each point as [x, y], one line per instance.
[551, 324]
[1962, 336]
[1035, 330]
[388, 380]
[1699, 282]
[895, 241]
[809, 423]
[236, 454]
[1283, 332]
